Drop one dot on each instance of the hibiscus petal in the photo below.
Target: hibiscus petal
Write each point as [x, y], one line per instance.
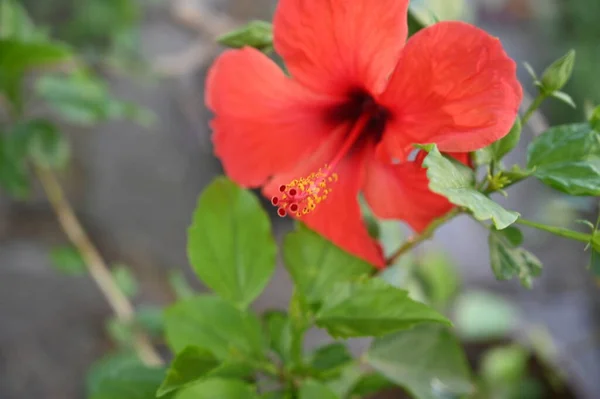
[454, 86]
[338, 218]
[402, 192]
[330, 44]
[264, 122]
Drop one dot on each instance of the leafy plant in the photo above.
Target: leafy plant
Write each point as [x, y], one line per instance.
[414, 311]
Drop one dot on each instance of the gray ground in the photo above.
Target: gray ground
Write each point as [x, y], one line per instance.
[135, 190]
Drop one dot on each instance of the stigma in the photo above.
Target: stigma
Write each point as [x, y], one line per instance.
[301, 196]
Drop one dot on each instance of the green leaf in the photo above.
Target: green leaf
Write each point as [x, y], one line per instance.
[595, 262]
[213, 323]
[504, 365]
[311, 389]
[415, 23]
[456, 182]
[595, 119]
[48, 147]
[121, 332]
[125, 280]
[426, 360]
[513, 235]
[151, 319]
[180, 285]
[331, 356]
[316, 264]
[556, 76]
[216, 388]
[123, 376]
[531, 71]
[17, 57]
[567, 158]
[371, 308]
[279, 332]
[257, 34]
[68, 260]
[230, 245]
[509, 261]
[345, 379]
[505, 145]
[371, 384]
[483, 316]
[83, 98]
[194, 364]
[565, 98]
[439, 278]
[16, 24]
[14, 175]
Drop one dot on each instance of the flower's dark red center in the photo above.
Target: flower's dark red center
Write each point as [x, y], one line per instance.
[366, 121]
[360, 104]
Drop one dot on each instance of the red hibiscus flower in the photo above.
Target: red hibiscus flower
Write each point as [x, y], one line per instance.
[357, 100]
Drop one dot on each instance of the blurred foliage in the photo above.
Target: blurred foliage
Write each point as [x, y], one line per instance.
[575, 25]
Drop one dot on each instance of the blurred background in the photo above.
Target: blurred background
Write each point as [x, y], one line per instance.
[134, 185]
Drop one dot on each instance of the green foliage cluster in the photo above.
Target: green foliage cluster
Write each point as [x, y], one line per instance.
[224, 349]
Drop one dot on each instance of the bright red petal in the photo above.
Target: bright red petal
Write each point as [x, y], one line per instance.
[338, 218]
[402, 192]
[454, 86]
[264, 122]
[330, 44]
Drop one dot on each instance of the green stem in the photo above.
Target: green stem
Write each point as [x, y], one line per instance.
[425, 235]
[533, 107]
[559, 231]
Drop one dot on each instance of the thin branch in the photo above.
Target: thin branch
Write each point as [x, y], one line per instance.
[96, 265]
[413, 241]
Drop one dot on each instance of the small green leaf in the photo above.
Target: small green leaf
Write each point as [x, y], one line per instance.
[279, 333]
[504, 365]
[439, 278]
[14, 175]
[216, 388]
[121, 332]
[516, 173]
[194, 364]
[123, 376]
[556, 76]
[230, 245]
[151, 319]
[371, 384]
[16, 24]
[316, 264]
[456, 182]
[331, 356]
[180, 285]
[48, 147]
[567, 158]
[311, 389]
[531, 71]
[371, 308]
[513, 235]
[213, 323]
[83, 98]
[17, 57]
[508, 261]
[68, 260]
[257, 34]
[125, 280]
[427, 360]
[565, 98]
[483, 316]
[595, 119]
[503, 146]
[415, 23]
